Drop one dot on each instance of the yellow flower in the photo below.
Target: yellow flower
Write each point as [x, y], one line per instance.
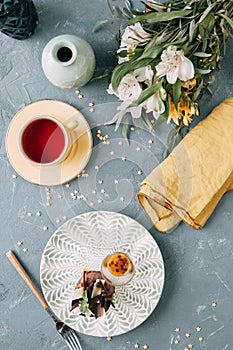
[186, 109]
[189, 84]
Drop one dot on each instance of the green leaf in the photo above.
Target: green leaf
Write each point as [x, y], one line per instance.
[227, 19]
[83, 305]
[176, 92]
[99, 24]
[206, 26]
[202, 54]
[125, 129]
[202, 71]
[157, 17]
[174, 137]
[148, 92]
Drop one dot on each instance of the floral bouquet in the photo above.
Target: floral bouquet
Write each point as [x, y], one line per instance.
[165, 60]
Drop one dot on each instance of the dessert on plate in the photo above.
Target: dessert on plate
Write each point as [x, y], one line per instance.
[93, 295]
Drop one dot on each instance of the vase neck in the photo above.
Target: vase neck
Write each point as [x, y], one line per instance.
[64, 52]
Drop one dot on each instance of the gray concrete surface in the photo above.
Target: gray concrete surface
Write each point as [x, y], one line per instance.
[198, 263]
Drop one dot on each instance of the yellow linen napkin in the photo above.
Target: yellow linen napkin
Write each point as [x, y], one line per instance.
[190, 182]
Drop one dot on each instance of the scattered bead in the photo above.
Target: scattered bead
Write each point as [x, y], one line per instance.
[120, 143]
[19, 243]
[152, 121]
[109, 338]
[107, 142]
[91, 104]
[48, 204]
[38, 213]
[57, 221]
[102, 190]
[112, 153]
[68, 185]
[64, 217]
[136, 346]
[29, 214]
[122, 199]
[100, 182]
[150, 142]
[138, 149]
[190, 346]
[140, 172]
[123, 158]
[72, 194]
[59, 196]
[214, 304]
[198, 329]
[94, 191]
[97, 167]
[116, 182]
[14, 176]
[80, 96]
[100, 200]
[75, 191]
[99, 131]
[47, 189]
[45, 228]
[132, 128]
[200, 339]
[145, 347]
[92, 109]
[177, 330]
[177, 341]
[77, 92]
[187, 335]
[25, 250]
[91, 204]
[186, 348]
[74, 198]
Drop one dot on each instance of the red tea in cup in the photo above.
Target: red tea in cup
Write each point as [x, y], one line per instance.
[43, 140]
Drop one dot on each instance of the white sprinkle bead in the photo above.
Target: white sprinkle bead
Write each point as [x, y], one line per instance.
[116, 182]
[38, 213]
[140, 172]
[77, 92]
[80, 96]
[75, 191]
[91, 104]
[91, 204]
[120, 143]
[94, 191]
[67, 185]
[45, 228]
[19, 243]
[123, 158]
[138, 149]
[92, 109]
[48, 204]
[29, 214]
[122, 199]
[112, 153]
[14, 176]
[59, 196]
[57, 221]
[64, 217]
[100, 200]
[150, 142]
[102, 190]
[97, 167]
[25, 250]
[100, 182]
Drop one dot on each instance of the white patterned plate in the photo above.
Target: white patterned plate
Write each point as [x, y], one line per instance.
[83, 242]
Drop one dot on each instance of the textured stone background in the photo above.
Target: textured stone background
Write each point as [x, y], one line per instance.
[198, 264]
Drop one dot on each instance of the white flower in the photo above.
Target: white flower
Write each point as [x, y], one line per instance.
[144, 74]
[128, 89]
[155, 103]
[175, 65]
[134, 35]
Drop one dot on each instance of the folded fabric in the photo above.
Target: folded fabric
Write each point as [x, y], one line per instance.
[189, 183]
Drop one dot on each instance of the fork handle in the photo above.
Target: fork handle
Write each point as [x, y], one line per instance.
[15, 262]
